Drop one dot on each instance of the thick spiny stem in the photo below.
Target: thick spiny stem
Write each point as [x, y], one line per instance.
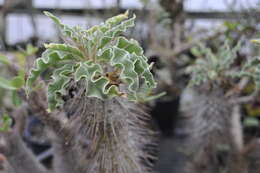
[115, 134]
[208, 123]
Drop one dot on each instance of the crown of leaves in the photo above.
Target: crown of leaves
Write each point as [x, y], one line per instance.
[214, 66]
[101, 57]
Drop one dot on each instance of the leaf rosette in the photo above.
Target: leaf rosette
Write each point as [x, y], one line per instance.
[108, 63]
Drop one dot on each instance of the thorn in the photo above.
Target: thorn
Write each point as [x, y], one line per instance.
[151, 65]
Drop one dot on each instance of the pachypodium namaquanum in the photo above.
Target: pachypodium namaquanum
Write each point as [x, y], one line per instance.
[109, 64]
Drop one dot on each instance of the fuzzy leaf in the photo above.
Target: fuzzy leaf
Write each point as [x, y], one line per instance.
[111, 32]
[131, 46]
[116, 19]
[54, 54]
[212, 65]
[57, 87]
[97, 85]
[251, 69]
[122, 60]
[228, 55]
[128, 56]
[5, 122]
[63, 48]
[105, 33]
[109, 23]
[102, 58]
[122, 27]
[66, 30]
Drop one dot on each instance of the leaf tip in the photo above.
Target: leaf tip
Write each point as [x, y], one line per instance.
[48, 110]
[46, 45]
[47, 13]
[126, 13]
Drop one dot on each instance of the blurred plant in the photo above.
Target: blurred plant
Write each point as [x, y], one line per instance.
[212, 105]
[212, 66]
[5, 122]
[252, 68]
[219, 67]
[15, 71]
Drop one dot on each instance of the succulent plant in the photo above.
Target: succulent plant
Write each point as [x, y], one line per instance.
[109, 64]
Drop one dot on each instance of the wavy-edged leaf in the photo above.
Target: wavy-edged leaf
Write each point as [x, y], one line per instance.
[143, 70]
[251, 69]
[122, 27]
[228, 55]
[66, 49]
[87, 70]
[97, 85]
[121, 59]
[139, 60]
[100, 45]
[100, 88]
[131, 46]
[128, 56]
[112, 32]
[117, 19]
[104, 55]
[213, 65]
[57, 87]
[109, 23]
[49, 57]
[66, 30]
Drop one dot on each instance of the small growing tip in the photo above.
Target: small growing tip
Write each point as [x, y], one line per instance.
[151, 66]
[47, 13]
[46, 45]
[126, 13]
[48, 110]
